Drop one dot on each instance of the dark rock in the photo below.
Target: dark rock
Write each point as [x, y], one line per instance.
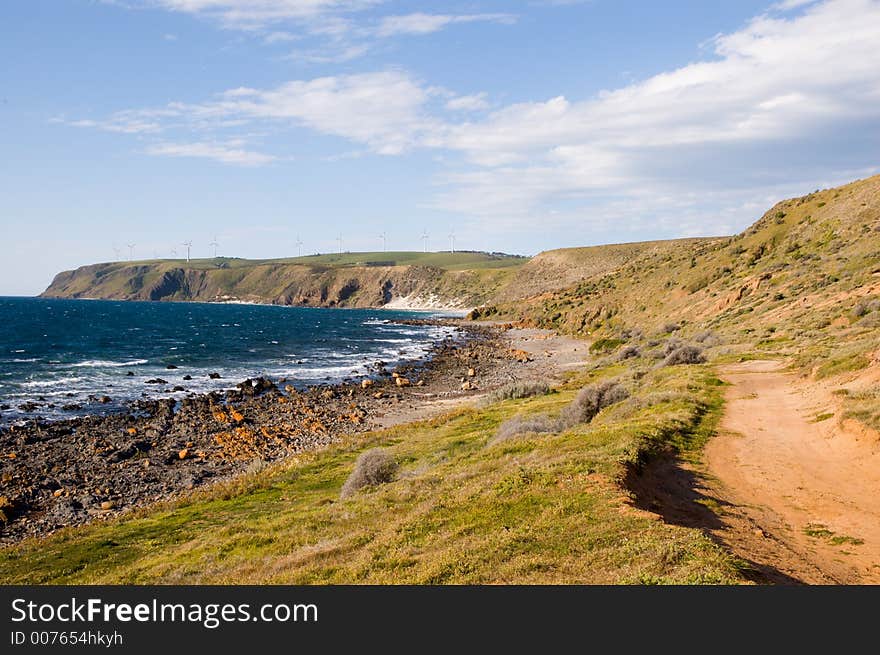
[121, 454]
[105, 399]
[178, 388]
[130, 374]
[214, 376]
[187, 377]
[156, 381]
[28, 407]
[171, 367]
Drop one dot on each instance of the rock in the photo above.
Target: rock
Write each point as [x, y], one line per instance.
[466, 386]
[71, 407]
[378, 394]
[183, 454]
[7, 509]
[131, 431]
[129, 374]
[28, 407]
[156, 381]
[171, 367]
[214, 376]
[58, 492]
[471, 372]
[366, 384]
[105, 399]
[108, 504]
[327, 394]
[420, 383]
[178, 388]
[121, 454]
[187, 377]
[402, 382]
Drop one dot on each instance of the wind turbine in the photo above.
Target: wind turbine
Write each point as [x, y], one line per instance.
[118, 253]
[215, 244]
[299, 246]
[384, 238]
[425, 239]
[339, 241]
[188, 245]
[131, 251]
[452, 242]
[174, 253]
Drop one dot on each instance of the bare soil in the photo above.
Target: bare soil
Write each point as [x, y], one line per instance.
[796, 487]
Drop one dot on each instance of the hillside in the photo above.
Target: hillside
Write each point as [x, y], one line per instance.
[507, 492]
[342, 280]
[802, 281]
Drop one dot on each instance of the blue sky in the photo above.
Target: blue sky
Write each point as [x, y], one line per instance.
[521, 126]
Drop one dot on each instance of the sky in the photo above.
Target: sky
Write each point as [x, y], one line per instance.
[270, 126]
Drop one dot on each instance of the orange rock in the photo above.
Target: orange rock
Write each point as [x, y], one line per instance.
[237, 416]
[366, 384]
[132, 431]
[183, 453]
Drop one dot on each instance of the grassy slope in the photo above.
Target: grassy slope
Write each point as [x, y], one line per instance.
[545, 509]
[800, 283]
[789, 285]
[349, 279]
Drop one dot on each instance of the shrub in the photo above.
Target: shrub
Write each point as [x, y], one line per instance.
[684, 355]
[865, 306]
[518, 425]
[604, 345]
[519, 389]
[672, 345]
[669, 328]
[628, 334]
[372, 468]
[590, 401]
[629, 352]
[708, 339]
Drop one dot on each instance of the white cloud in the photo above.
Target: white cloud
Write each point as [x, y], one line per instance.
[777, 83]
[420, 23]
[254, 14]
[231, 152]
[764, 112]
[475, 102]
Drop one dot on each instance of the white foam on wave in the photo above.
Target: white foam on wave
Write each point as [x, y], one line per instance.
[40, 384]
[103, 363]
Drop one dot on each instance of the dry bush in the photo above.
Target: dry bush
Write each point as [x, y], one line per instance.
[520, 389]
[628, 352]
[372, 468]
[519, 425]
[684, 355]
[672, 345]
[590, 401]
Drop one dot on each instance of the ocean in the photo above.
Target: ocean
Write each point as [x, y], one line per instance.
[56, 353]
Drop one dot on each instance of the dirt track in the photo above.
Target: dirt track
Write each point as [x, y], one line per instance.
[800, 494]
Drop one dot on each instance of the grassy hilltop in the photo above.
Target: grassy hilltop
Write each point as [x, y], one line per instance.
[467, 506]
[461, 279]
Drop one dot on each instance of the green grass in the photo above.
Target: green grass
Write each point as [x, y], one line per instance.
[543, 509]
[444, 260]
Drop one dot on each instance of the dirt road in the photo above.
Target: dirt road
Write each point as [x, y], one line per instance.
[803, 491]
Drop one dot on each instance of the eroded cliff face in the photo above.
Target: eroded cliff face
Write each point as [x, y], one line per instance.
[282, 284]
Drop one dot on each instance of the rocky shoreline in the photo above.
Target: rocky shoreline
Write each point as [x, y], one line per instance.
[73, 471]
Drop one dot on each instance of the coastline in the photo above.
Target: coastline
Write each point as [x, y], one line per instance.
[78, 470]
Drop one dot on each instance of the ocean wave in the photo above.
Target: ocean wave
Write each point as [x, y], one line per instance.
[102, 363]
[41, 384]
